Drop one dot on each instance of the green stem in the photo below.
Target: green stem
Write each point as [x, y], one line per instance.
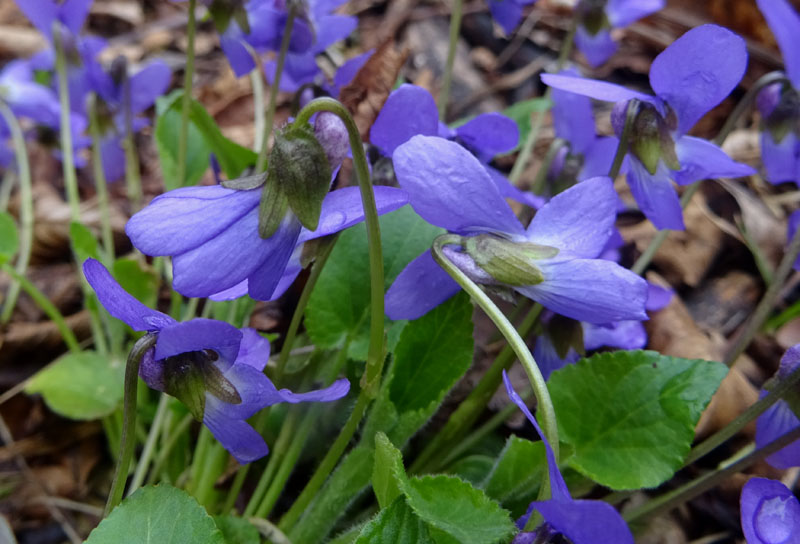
[201, 448]
[128, 441]
[212, 469]
[259, 121]
[538, 185]
[149, 445]
[186, 99]
[452, 46]
[236, 487]
[133, 177]
[100, 182]
[631, 110]
[261, 163]
[6, 186]
[165, 450]
[767, 302]
[47, 307]
[67, 158]
[26, 208]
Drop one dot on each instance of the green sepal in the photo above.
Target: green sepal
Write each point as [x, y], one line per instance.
[565, 333]
[272, 209]
[651, 140]
[511, 263]
[188, 377]
[299, 166]
[221, 13]
[592, 15]
[785, 117]
[245, 183]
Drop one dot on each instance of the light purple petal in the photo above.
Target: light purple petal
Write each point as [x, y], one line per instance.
[700, 159]
[585, 521]
[290, 273]
[235, 435]
[599, 90]
[148, 84]
[197, 335]
[770, 513]
[120, 303]
[547, 358]
[73, 13]
[348, 71]
[419, 288]
[489, 134]
[622, 335]
[789, 362]
[449, 187]
[261, 284]
[697, 71]
[185, 218]
[254, 350]
[231, 293]
[597, 48]
[592, 290]
[579, 220]
[112, 156]
[655, 195]
[41, 13]
[573, 119]
[409, 110]
[510, 191]
[778, 420]
[507, 13]
[332, 28]
[624, 12]
[785, 25]
[781, 159]
[658, 297]
[239, 57]
[599, 157]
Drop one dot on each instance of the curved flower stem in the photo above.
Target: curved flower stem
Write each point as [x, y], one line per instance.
[128, 441]
[149, 445]
[26, 208]
[447, 77]
[186, 99]
[259, 122]
[545, 404]
[163, 453]
[275, 88]
[101, 186]
[622, 148]
[773, 77]
[67, 151]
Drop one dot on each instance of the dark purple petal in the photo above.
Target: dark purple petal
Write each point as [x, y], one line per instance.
[343, 208]
[700, 159]
[261, 284]
[697, 71]
[579, 220]
[778, 420]
[231, 293]
[41, 13]
[785, 25]
[197, 335]
[185, 218]
[348, 71]
[293, 269]
[112, 155]
[332, 28]
[573, 119]
[770, 512]
[592, 290]
[489, 134]
[253, 350]
[781, 159]
[655, 195]
[597, 48]
[658, 297]
[597, 160]
[73, 13]
[507, 13]
[235, 435]
[120, 303]
[152, 371]
[547, 358]
[624, 12]
[148, 84]
[237, 53]
[585, 522]
[449, 187]
[599, 90]
[622, 335]
[409, 110]
[419, 288]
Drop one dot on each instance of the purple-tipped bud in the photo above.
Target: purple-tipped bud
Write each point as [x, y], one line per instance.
[767, 100]
[779, 105]
[468, 266]
[332, 136]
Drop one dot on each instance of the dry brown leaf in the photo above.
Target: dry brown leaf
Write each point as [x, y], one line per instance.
[40, 341]
[20, 42]
[764, 228]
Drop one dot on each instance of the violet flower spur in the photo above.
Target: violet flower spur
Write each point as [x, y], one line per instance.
[691, 76]
[211, 366]
[581, 521]
[598, 17]
[779, 418]
[779, 103]
[770, 513]
[556, 254]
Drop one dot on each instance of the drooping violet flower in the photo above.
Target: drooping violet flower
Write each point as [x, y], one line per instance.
[211, 366]
[411, 110]
[779, 103]
[596, 19]
[691, 76]
[507, 13]
[450, 188]
[581, 521]
[124, 98]
[770, 513]
[780, 419]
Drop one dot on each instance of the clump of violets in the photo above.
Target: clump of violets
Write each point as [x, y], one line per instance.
[580, 521]
[215, 369]
[597, 18]
[770, 513]
[554, 261]
[779, 103]
[691, 76]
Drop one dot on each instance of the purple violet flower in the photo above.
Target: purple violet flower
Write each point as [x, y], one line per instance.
[780, 419]
[770, 513]
[691, 76]
[227, 362]
[507, 13]
[779, 104]
[598, 17]
[792, 224]
[449, 187]
[43, 13]
[581, 521]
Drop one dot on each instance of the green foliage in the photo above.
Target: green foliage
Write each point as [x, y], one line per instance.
[338, 311]
[396, 524]
[516, 475]
[141, 283]
[630, 415]
[204, 138]
[521, 113]
[81, 385]
[9, 237]
[387, 467]
[237, 530]
[84, 244]
[158, 515]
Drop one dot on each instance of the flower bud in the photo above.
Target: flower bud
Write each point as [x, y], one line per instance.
[511, 263]
[779, 105]
[650, 139]
[332, 136]
[189, 376]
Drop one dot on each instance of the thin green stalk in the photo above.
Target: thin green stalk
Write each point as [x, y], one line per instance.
[430, 459]
[163, 453]
[186, 99]
[6, 186]
[767, 302]
[47, 307]
[275, 88]
[100, 182]
[67, 151]
[128, 440]
[204, 440]
[149, 445]
[631, 110]
[26, 208]
[212, 469]
[452, 46]
[235, 489]
[133, 177]
[259, 120]
[537, 187]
